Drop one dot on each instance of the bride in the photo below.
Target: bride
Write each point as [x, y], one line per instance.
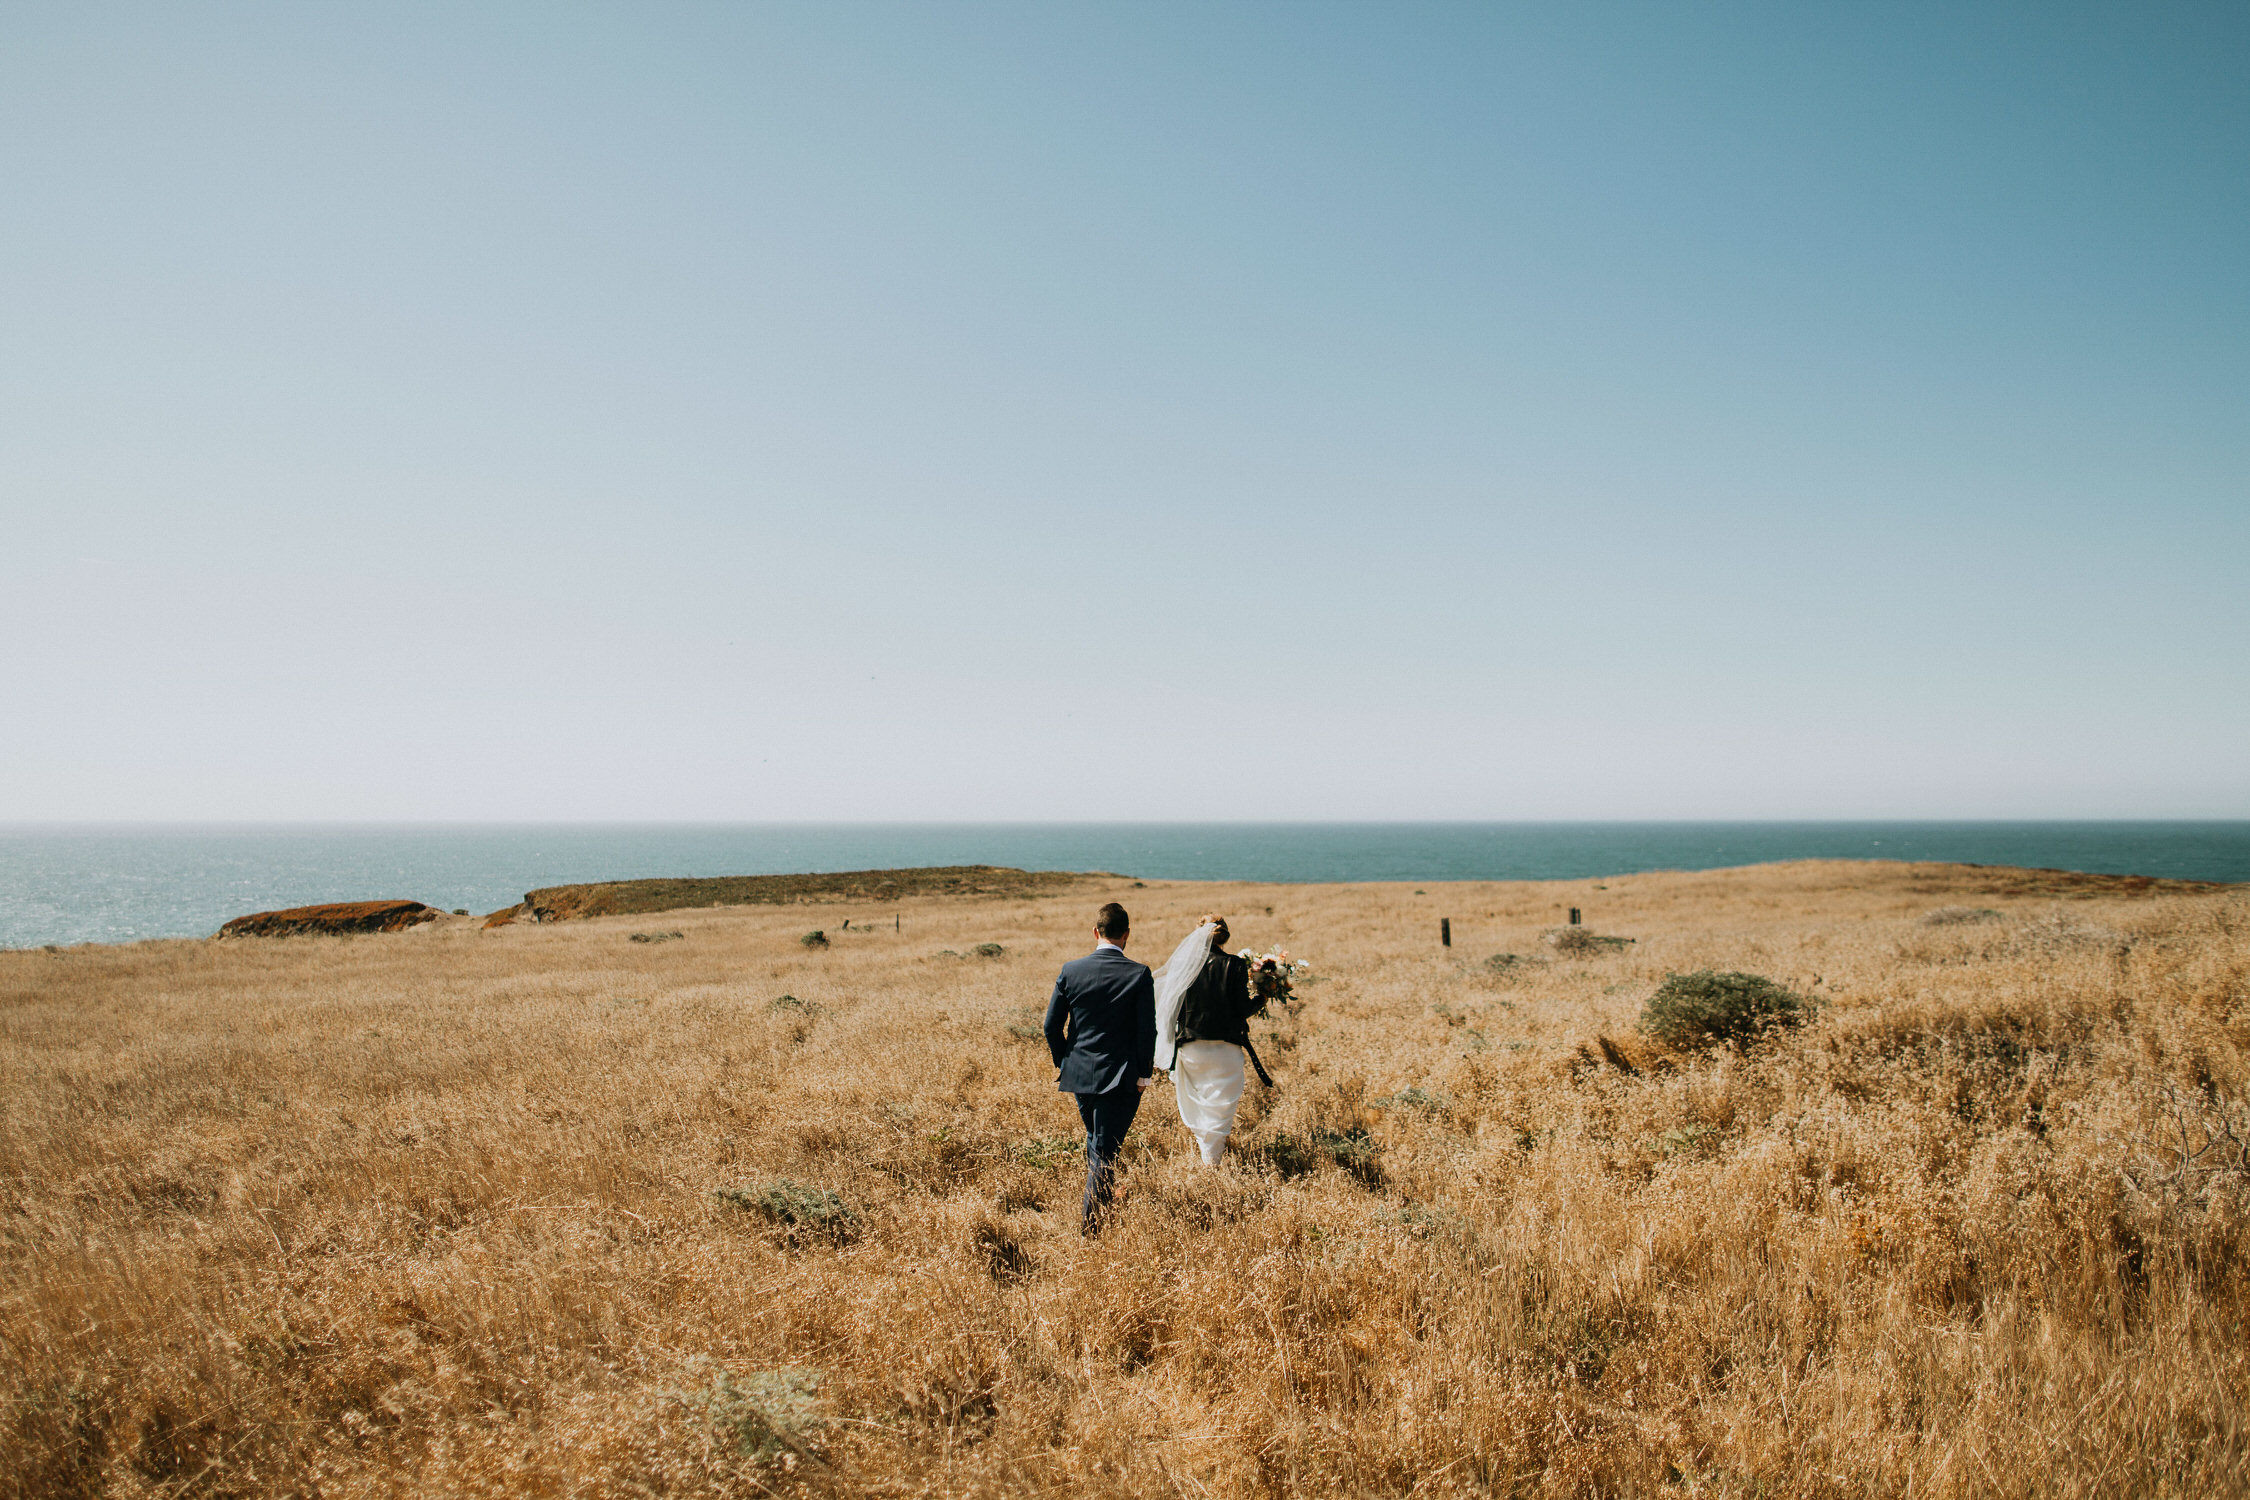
[1203, 1011]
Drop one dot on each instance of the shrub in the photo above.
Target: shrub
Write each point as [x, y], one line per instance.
[797, 1206]
[762, 1414]
[1288, 1156]
[1959, 916]
[988, 950]
[1581, 942]
[792, 1003]
[1353, 1150]
[815, 939]
[1706, 1008]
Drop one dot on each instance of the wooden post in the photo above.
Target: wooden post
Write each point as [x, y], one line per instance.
[894, 922]
[1574, 916]
[1445, 931]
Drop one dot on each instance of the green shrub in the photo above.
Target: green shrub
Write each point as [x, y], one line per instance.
[1288, 1156]
[1707, 1008]
[761, 1414]
[988, 950]
[814, 939]
[797, 1206]
[1353, 1150]
[1582, 942]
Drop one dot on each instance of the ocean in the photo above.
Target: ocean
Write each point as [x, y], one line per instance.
[112, 883]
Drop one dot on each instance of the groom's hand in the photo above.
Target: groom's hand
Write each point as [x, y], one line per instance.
[1144, 1082]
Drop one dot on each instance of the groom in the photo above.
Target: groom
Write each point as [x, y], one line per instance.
[1101, 1030]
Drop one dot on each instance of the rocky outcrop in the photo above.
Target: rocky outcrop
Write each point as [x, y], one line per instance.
[340, 916]
[611, 898]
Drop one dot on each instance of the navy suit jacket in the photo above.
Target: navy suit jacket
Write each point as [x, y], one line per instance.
[1109, 1005]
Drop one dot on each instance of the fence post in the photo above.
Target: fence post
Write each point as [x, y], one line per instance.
[1574, 916]
[1445, 931]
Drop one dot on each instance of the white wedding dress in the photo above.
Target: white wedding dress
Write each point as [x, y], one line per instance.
[1207, 1077]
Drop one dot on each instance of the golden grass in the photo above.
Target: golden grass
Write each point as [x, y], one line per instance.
[434, 1212]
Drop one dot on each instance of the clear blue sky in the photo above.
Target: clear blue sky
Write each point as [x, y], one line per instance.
[1130, 411]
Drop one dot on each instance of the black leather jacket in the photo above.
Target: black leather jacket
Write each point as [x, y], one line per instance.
[1217, 1006]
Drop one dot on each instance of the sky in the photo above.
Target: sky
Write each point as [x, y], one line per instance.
[1138, 411]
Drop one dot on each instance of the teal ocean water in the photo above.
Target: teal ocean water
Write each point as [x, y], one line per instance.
[111, 884]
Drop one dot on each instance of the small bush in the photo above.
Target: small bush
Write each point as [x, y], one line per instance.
[1707, 1008]
[1288, 1156]
[1959, 916]
[1581, 942]
[792, 1003]
[988, 950]
[1683, 1138]
[815, 939]
[1353, 1150]
[797, 1206]
[761, 1414]
[656, 937]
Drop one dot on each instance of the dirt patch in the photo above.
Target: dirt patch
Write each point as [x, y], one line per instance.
[611, 898]
[339, 916]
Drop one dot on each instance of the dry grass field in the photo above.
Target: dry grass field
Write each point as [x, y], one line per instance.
[466, 1212]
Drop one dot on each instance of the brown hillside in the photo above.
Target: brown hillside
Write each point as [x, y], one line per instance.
[613, 898]
[339, 916]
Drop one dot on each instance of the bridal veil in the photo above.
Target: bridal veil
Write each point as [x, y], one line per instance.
[1172, 983]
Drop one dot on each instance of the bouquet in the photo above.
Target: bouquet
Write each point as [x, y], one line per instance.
[1273, 976]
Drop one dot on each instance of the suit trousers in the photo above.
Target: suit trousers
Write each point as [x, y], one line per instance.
[1107, 1116]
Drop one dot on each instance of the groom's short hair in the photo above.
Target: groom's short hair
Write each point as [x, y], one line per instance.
[1113, 923]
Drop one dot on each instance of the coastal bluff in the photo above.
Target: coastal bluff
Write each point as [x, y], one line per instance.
[335, 917]
[615, 898]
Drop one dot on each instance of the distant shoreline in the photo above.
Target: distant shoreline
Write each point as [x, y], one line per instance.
[898, 887]
[121, 883]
